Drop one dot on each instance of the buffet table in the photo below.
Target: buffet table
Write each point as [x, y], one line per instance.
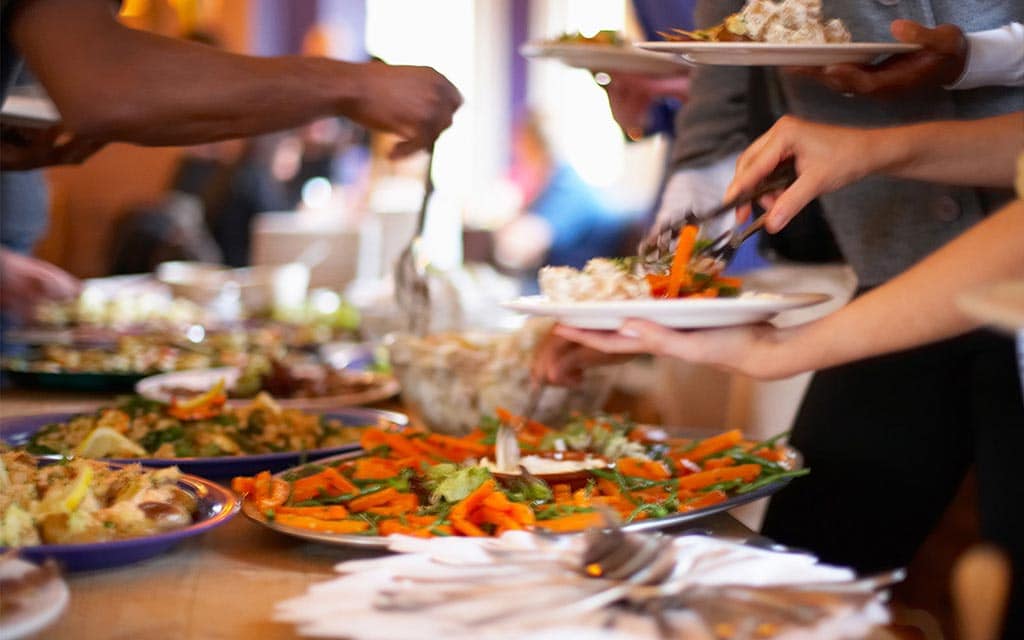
[221, 585]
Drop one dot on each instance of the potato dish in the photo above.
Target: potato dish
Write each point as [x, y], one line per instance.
[785, 22]
[82, 501]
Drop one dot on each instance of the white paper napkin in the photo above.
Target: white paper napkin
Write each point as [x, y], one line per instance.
[350, 606]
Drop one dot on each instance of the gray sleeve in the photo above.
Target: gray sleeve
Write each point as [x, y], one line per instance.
[714, 122]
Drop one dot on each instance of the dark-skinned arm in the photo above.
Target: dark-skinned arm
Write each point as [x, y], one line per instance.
[114, 83]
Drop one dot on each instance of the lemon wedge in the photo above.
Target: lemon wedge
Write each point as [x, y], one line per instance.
[77, 492]
[105, 442]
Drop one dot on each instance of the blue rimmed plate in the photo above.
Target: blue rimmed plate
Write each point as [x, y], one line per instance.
[18, 431]
[215, 506]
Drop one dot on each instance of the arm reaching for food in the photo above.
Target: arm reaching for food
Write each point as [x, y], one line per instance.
[831, 157]
[916, 308]
[25, 282]
[179, 93]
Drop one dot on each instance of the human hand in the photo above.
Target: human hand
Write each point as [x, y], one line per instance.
[23, 148]
[25, 282]
[415, 103]
[938, 63]
[827, 157]
[750, 350]
[630, 96]
[562, 362]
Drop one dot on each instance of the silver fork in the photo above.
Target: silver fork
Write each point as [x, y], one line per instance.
[412, 287]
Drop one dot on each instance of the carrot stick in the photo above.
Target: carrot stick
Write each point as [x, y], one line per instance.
[522, 514]
[467, 528]
[718, 463]
[459, 443]
[705, 500]
[328, 481]
[328, 526]
[498, 501]
[430, 449]
[714, 444]
[375, 469]
[572, 522]
[499, 519]
[399, 444]
[681, 260]
[375, 499]
[744, 472]
[330, 512]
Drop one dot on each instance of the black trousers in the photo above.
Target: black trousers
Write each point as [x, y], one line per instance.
[888, 441]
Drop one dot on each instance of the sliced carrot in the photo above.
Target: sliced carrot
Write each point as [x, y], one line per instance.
[572, 522]
[400, 445]
[714, 444]
[581, 498]
[718, 463]
[430, 449]
[608, 487]
[327, 526]
[277, 495]
[375, 469]
[371, 438]
[329, 482]
[641, 468]
[261, 485]
[329, 512]
[658, 284]
[242, 485]
[744, 472]
[772, 455]
[467, 528]
[459, 443]
[498, 501]
[678, 275]
[500, 519]
[704, 500]
[522, 514]
[375, 499]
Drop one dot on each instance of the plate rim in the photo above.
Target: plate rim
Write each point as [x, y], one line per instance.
[671, 46]
[560, 51]
[667, 522]
[35, 623]
[388, 387]
[769, 300]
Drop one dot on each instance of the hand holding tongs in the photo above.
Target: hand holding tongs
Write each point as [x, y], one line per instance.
[658, 243]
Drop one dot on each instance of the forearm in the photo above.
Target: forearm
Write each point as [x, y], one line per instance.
[917, 307]
[115, 83]
[978, 153]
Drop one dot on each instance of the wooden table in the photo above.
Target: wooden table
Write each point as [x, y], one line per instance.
[222, 585]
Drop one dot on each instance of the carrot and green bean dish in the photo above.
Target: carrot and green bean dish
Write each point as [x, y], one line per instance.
[427, 484]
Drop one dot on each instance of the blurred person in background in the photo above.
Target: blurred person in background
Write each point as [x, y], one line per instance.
[178, 93]
[24, 213]
[564, 221]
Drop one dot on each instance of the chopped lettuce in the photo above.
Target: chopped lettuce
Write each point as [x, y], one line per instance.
[448, 482]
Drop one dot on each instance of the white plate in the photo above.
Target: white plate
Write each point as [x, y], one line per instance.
[29, 111]
[38, 609]
[999, 305]
[606, 57]
[695, 313]
[757, 54]
[154, 388]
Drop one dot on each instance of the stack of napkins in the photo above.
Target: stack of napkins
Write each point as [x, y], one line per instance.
[523, 586]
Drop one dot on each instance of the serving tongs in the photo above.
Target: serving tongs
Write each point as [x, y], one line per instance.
[412, 286]
[656, 247]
